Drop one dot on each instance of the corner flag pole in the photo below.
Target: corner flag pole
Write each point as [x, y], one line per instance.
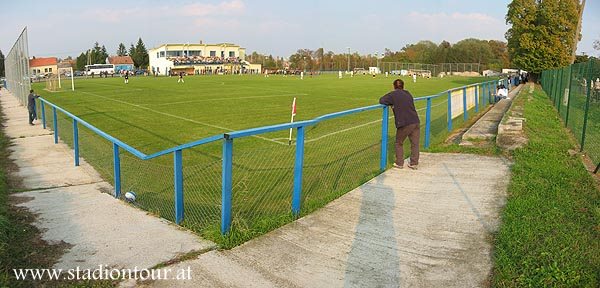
[292, 121]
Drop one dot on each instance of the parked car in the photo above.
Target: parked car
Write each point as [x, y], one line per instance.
[78, 73]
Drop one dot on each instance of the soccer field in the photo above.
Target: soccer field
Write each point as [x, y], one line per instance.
[152, 114]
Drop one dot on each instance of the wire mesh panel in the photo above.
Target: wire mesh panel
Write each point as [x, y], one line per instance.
[340, 155]
[575, 92]
[16, 64]
[592, 137]
[577, 100]
[98, 152]
[65, 128]
[262, 183]
[151, 181]
[202, 187]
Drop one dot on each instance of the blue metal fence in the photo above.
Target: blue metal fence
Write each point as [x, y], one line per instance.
[483, 89]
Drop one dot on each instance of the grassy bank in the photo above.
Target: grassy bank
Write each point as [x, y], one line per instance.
[551, 223]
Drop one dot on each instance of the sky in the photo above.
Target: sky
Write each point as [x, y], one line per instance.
[277, 27]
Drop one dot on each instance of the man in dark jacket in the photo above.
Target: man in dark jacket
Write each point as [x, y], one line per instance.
[407, 123]
[31, 106]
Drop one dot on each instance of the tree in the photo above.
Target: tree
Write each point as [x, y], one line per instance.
[541, 33]
[140, 54]
[131, 51]
[121, 51]
[2, 72]
[103, 55]
[81, 61]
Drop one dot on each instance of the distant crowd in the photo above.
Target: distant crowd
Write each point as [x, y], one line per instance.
[203, 60]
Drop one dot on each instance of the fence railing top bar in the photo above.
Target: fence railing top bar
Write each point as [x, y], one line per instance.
[430, 96]
[98, 131]
[186, 146]
[267, 129]
[347, 112]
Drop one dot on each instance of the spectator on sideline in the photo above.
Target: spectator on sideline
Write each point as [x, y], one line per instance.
[501, 93]
[414, 77]
[31, 106]
[407, 123]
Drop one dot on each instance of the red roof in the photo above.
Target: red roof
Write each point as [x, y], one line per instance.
[120, 60]
[37, 62]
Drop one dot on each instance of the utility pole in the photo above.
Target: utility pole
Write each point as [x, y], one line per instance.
[348, 59]
[576, 34]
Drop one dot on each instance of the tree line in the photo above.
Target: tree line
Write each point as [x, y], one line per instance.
[490, 54]
[98, 54]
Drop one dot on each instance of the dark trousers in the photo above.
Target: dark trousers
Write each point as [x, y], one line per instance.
[413, 133]
[32, 115]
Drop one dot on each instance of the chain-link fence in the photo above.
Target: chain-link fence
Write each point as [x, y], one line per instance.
[16, 66]
[575, 92]
[434, 69]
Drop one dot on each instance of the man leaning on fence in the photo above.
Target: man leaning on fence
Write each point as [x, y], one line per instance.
[407, 123]
[31, 106]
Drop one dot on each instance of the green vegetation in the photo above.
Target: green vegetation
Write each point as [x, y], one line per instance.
[542, 33]
[551, 223]
[152, 114]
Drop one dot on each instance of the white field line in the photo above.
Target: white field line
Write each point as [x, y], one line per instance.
[221, 99]
[179, 117]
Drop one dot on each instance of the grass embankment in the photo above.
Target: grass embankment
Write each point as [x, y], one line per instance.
[550, 229]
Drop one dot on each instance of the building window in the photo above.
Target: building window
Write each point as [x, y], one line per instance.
[45, 70]
[50, 70]
[174, 53]
[213, 53]
[162, 53]
[231, 54]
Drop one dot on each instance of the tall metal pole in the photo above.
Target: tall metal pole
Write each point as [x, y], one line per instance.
[348, 59]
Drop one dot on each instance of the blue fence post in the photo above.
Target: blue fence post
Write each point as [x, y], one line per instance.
[178, 170]
[76, 141]
[465, 115]
[477, 98]
[55, 124]
[297, 196]
[43, 114]
[428, 123]
[226, 186]
[117, 170]
[449, 111]
[384, 138]
[483, 94]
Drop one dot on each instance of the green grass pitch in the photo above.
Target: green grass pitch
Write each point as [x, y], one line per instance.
[152, 114]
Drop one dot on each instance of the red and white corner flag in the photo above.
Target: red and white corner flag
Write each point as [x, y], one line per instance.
[292, 121]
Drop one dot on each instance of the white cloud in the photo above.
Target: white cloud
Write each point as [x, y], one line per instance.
[110, 15]
[223, 8]
[456, 26]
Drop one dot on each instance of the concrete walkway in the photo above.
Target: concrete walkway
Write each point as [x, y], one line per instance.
[71, 208]
[426, 228]
[487, 126]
